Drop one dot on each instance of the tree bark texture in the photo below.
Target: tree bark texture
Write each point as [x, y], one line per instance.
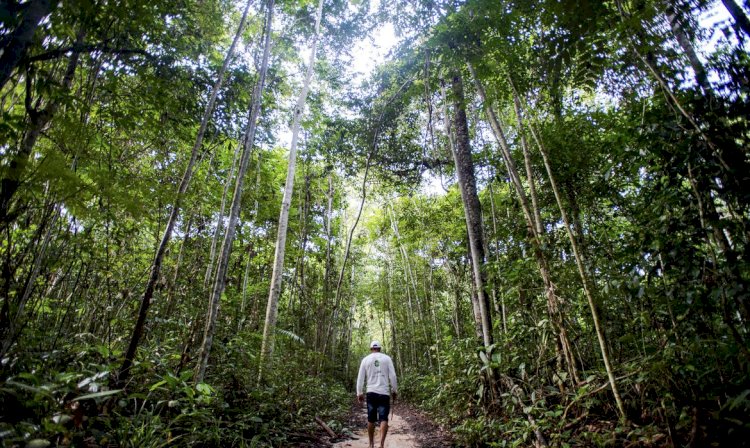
[472, 208]
[15, 44]
[272, 308]
[234, 211]
[220, 220]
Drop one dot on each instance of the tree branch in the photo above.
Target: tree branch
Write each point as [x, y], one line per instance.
[86, 48]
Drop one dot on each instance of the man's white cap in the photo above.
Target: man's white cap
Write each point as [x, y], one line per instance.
[375, 344]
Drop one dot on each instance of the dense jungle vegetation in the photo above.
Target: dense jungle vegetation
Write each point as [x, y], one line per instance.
[541, 208]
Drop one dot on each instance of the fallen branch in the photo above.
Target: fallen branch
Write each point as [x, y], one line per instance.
[595, 391]
[326, 427]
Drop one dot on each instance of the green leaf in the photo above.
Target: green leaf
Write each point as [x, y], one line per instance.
[484, 358]
[104, 393]
[157, 385]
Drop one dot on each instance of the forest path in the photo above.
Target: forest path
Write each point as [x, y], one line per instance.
[400, 435]
[407, 428]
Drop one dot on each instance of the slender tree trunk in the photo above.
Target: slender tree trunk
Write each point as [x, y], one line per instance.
[241, 318]
[178, 265]
[435, 325]
[161, 250]
[234, 211]
[501, 305]
[220, 219]
[538, 224]
[472, 208]
[476, 311]
[328, 267]
[493, 275]
[457, 308]
[300, 271]
[15, 44]
[585, 281]
[394, 333]
[738, 15]
[278, 264]
[553, 301]
[675, 22]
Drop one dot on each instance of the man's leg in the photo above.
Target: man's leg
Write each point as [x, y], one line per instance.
[383, 432]
[371, 433]
[384, 409]
[372, 417]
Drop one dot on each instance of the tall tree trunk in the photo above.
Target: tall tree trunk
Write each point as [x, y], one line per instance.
[501, 304]
[161, 250]
[457, 324]
[738, 15]
[278, 263]
[678, 29]
[328, 266]
[234, 212]
[245, 280]
[220, 219]
[435, 325]
[473, 297]
[585, 281]
[299, 272]
[529, 172]
[553, 301]
[15, 44]
[472, 208]
[394, 334]
[178, 265]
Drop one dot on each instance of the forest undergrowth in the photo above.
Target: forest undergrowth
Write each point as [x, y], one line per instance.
[462, 399]
[64, 398]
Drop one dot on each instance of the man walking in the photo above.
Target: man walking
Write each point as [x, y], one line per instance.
[377, 371]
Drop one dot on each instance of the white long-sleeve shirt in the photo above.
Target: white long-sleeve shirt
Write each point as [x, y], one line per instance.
[377, 369]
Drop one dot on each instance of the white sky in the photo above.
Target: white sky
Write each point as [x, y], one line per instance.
[371, 51]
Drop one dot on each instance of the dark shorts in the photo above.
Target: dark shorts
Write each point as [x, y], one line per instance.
[378, 407]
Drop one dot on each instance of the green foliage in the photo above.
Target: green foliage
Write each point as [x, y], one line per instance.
[68, 407]
[650, 166]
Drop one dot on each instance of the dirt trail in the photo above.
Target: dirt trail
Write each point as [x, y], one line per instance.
[400, 435]
[408, 428]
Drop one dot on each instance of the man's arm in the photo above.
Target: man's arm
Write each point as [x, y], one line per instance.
[361, 380]
[392, 379]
